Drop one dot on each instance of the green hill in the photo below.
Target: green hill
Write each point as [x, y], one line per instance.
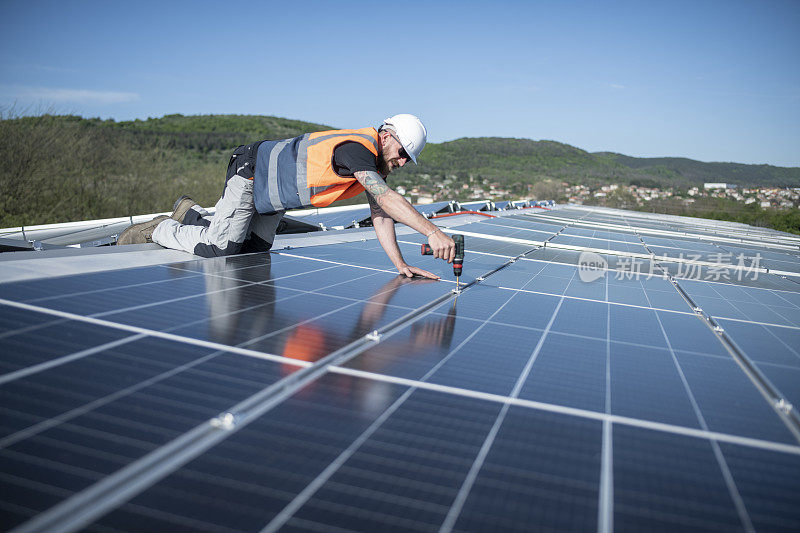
[61, 168]
[511, 160]
[697, 172]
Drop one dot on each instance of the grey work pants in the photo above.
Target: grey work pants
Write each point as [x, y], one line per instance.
[235, 221]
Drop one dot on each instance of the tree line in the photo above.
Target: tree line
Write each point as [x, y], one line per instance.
[59, 168]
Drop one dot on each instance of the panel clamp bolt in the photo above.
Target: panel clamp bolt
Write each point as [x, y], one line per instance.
[480, 278]
[374, 336]
[226, 421]
[783, 406]
[718, 329]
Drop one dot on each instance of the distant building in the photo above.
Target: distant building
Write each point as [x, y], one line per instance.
[718, 186]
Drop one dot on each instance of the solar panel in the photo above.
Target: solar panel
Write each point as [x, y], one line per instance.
[311, 388]
[344, 219]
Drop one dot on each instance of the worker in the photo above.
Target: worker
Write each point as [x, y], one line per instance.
[265, 179]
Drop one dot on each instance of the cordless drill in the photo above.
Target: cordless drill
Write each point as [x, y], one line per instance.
[458, 258]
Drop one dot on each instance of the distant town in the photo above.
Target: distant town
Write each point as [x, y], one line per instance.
[451, 188]
[766, 197]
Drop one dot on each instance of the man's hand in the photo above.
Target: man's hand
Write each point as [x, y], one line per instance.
[443, 246]
[411, 271]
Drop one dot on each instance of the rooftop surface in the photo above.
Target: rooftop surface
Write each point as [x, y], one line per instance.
[597, 370]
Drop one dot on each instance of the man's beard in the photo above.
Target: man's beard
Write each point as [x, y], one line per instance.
[383, 166]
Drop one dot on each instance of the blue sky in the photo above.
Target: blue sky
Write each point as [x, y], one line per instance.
[714, 81]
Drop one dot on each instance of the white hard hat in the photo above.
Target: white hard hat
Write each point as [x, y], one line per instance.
[410, 132]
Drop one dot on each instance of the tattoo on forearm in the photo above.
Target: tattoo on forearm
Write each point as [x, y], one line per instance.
[373, 183]
[374, 208]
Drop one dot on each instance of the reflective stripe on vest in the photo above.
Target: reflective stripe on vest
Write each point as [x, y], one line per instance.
[299, 172]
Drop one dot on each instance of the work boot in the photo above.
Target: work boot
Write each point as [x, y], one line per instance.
[140, 233]
[181, 207]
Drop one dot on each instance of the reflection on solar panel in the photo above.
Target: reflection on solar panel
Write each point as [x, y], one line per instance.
[600, 370]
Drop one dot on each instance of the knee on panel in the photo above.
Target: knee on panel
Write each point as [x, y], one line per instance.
[210, 250]
[254, 243]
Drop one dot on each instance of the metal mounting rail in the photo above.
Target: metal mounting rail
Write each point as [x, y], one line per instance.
[770, 392]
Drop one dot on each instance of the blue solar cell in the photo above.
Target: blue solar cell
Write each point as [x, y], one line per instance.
[595, 289]
[791, 297]
[665, 482]
[271, 267]
[530, 277]
[479, 302]
[774, 351]
[489, 362]
[232, 263]
[535, 222]
[26, 291]
[569, 371]
[248, 478]
[528, 310]
[787, 381]
[542, 471]
[518, 276]
[408, 472]
[628, 292]
[110, 409]
[532, 231]
[769, 484]
[47, 338]
[13, 320]
[221, 301]
[619, 265]
[133, 296]
[646, 384]
[306, 327]
[728, 400]
[704, 275]
[584, 318]
[561, 271]
[494, 228]
[766, 344]
[414, 351]
[690, 333]
[579, 232]
[602, 244]
[667, 299]
[718, 305]
[635, 325]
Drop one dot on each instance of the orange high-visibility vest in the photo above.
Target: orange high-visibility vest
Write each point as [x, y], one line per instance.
[298, 172]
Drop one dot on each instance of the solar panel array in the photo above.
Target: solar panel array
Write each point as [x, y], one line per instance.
[600, 370]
